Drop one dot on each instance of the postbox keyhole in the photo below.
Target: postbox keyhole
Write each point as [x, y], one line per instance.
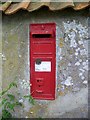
[39, 80]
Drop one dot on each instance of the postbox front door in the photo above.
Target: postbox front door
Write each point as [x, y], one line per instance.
[43, 60]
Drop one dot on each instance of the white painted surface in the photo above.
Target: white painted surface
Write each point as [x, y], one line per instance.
[43, 67]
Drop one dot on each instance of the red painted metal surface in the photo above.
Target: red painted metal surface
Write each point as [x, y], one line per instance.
[43, 60]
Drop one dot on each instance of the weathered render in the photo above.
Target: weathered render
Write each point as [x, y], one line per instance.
[72, 61]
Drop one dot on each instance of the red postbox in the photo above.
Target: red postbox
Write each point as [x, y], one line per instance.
[43, 60]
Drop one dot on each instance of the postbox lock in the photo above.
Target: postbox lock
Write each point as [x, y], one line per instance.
[38, 61]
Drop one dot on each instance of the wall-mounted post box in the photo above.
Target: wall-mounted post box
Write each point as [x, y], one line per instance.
[43, 60]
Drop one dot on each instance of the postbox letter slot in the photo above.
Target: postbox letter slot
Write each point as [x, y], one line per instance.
[41, 35]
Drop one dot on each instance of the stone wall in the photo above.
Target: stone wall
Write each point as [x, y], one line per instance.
[72, 61]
